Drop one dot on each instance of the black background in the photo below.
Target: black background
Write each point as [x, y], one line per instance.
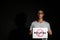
[16, 17]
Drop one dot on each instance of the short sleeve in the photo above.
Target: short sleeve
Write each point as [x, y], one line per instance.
[31, 26]
[49, 27]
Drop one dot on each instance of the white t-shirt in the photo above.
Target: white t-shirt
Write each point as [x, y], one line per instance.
[36, 24]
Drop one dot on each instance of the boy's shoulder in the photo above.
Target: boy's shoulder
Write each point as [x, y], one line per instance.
[46, 22]
[34, 21]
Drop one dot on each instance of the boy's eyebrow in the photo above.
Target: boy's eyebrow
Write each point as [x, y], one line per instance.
[40, 13]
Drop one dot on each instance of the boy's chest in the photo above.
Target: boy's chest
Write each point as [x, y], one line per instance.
[40, 25]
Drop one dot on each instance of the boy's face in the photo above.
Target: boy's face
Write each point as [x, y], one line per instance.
[40, 14]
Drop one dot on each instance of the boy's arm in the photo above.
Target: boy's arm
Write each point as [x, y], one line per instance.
[30, 32]
[31, 29]
[49, 30]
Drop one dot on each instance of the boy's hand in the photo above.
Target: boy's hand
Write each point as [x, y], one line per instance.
[30, 33]
[50, 32]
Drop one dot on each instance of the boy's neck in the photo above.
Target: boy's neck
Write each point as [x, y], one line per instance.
[40, 20]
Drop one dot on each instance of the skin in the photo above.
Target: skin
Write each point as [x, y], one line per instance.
[41, 15]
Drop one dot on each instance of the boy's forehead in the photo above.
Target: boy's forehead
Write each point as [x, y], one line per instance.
[40, 11]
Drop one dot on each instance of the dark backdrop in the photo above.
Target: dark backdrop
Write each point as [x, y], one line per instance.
[16, 17]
